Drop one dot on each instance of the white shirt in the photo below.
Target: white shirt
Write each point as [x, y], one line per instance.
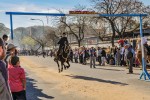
[99, 52]
[122, 50]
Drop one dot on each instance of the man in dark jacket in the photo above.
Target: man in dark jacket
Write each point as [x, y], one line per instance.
[4, 87]
[62, 43]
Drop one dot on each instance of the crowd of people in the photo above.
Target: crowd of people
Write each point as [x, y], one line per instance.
[125, 54]
[12, 75]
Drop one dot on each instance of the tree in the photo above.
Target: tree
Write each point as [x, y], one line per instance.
[36, 33]
[99, 27]
[19, 34]
[119, 24]
[28, 41]
[75, 25]
[51, 37]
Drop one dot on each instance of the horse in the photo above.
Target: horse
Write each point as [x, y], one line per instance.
[63, 57]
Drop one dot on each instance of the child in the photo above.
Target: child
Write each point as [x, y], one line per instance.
[17, 80]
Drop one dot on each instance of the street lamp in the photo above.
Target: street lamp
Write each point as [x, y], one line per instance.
[41, 21]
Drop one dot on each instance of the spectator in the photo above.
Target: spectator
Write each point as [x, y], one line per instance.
[76, 55]
[99, 51]
[130, 57]
[81, 55]
[103, 57]
[51, 53]
[114, 53]
[92, 57]
[125, 41]
[122, 50]
[118, 57]
[71, 55]
[85, 55]
[5, 38]
[17, 80]
[11, 50]
[4, 87]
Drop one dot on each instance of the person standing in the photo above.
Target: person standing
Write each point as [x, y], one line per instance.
[76, 55]
[103, 57]
[92, 57]
[99, 51]
[130, 57]
[4, 87]
[71, 55]
[118, 57]
[11, 48]
[122, 50]
[84, 55]
[17, 80]
[5, 38]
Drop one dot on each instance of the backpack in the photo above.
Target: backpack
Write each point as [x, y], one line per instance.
[129, 54]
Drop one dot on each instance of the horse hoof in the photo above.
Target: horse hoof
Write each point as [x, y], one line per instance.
[68, 66]
[59, 71]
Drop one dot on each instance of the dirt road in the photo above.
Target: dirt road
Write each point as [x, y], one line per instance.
[81, 83]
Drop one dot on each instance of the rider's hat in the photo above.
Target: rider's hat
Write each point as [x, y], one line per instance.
[64, 33]
[11, 46]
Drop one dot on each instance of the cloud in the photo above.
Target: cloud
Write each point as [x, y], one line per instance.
[29, 8]
[1, 11]
[24, 21]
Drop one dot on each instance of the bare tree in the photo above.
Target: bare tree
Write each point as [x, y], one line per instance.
[75, 25]
[119, 24]
[99, 27]
[37, 35]
[51, 37]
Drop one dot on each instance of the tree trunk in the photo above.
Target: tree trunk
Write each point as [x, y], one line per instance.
[42, 48]
[113, 33]
[79, 43]
[112, 40]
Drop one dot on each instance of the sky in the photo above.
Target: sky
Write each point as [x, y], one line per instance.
[50, 6]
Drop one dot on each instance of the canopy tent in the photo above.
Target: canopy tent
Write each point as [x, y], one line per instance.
[144, 73]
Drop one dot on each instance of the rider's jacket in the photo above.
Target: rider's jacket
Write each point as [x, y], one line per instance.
[62, 41]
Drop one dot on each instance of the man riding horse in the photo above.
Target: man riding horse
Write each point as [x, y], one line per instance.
[63, 53]
[62, 42]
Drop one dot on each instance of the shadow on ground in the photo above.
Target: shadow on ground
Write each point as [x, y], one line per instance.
[33, 93]
[96, 79]
[110, 69]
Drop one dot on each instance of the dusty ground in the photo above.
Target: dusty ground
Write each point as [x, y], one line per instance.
[72, 85]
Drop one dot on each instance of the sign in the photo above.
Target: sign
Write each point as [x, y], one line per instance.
[82, 12]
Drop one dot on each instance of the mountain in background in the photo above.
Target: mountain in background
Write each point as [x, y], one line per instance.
[4, 30]
[35, 31]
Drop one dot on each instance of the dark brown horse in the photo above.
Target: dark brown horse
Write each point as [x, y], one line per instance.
[63, 58]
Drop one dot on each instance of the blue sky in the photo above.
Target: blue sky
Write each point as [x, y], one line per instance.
[37, 6]
[34, 6]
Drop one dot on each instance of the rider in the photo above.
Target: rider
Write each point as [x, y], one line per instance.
[62, 43]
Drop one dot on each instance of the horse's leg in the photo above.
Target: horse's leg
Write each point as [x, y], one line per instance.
[65, 67]
[68, 64]
[58, 66]
[62, 64]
